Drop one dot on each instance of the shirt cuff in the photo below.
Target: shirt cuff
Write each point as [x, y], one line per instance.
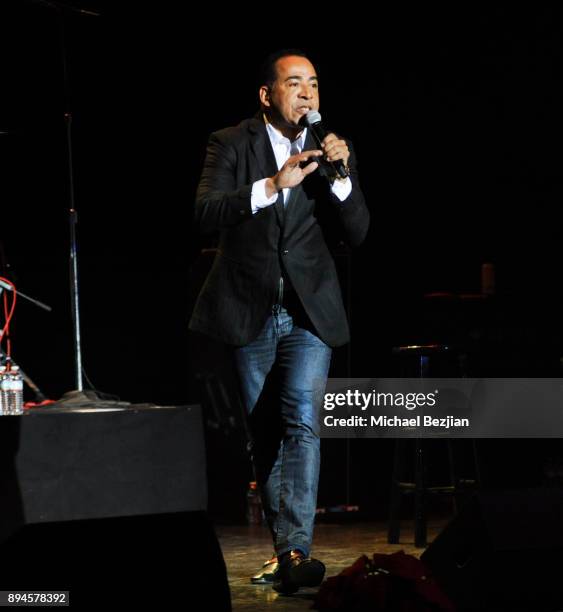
[258, 197]
[342, 189]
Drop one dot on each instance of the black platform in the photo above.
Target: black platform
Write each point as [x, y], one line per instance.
[62, 464]
[110, 504]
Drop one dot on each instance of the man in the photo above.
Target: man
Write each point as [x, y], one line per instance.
[273, 292]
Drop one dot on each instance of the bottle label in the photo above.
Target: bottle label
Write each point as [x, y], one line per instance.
[13, 385]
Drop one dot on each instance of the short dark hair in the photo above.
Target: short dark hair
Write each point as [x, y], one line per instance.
[268, 73]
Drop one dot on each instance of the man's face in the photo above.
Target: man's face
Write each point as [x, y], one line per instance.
[295, 91]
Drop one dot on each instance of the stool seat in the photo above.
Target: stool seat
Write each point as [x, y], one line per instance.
[421, 349]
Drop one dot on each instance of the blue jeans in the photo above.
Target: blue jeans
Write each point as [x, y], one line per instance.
[283, 376]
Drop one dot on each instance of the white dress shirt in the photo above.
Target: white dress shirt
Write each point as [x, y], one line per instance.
[283, 149]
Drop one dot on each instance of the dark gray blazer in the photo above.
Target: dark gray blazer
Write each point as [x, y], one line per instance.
[242, 285]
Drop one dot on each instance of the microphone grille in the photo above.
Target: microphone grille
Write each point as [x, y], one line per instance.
[313, 117]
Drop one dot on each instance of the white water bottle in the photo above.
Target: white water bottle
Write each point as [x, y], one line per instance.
[3, 404]
[14, 388]
[254, 513]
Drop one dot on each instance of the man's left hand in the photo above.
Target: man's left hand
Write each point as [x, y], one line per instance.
[334, 149]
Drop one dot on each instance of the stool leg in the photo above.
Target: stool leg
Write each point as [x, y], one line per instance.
[419, 476]
[394, 526]
[424, 366]
[476, 464]
[419, 496]
[453, 477]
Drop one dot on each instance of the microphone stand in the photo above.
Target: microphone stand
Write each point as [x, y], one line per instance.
[78, 393]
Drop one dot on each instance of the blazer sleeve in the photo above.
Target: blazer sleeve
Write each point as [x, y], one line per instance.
[353, 211]
[219, 202]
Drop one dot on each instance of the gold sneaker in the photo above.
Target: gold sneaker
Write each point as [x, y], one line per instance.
[267, 572]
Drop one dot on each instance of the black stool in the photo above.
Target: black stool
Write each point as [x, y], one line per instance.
[419, 485]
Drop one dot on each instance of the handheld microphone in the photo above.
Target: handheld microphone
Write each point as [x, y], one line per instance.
[313, 121]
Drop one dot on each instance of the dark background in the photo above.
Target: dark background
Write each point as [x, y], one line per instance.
[456, 119]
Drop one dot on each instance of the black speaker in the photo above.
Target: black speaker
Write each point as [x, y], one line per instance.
[164, 561]
[503, 551]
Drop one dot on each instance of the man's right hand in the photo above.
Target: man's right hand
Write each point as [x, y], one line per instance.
[291, 173]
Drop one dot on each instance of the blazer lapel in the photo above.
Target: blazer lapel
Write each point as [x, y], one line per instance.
[296, 192]
[261, 148]
[265, 158]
